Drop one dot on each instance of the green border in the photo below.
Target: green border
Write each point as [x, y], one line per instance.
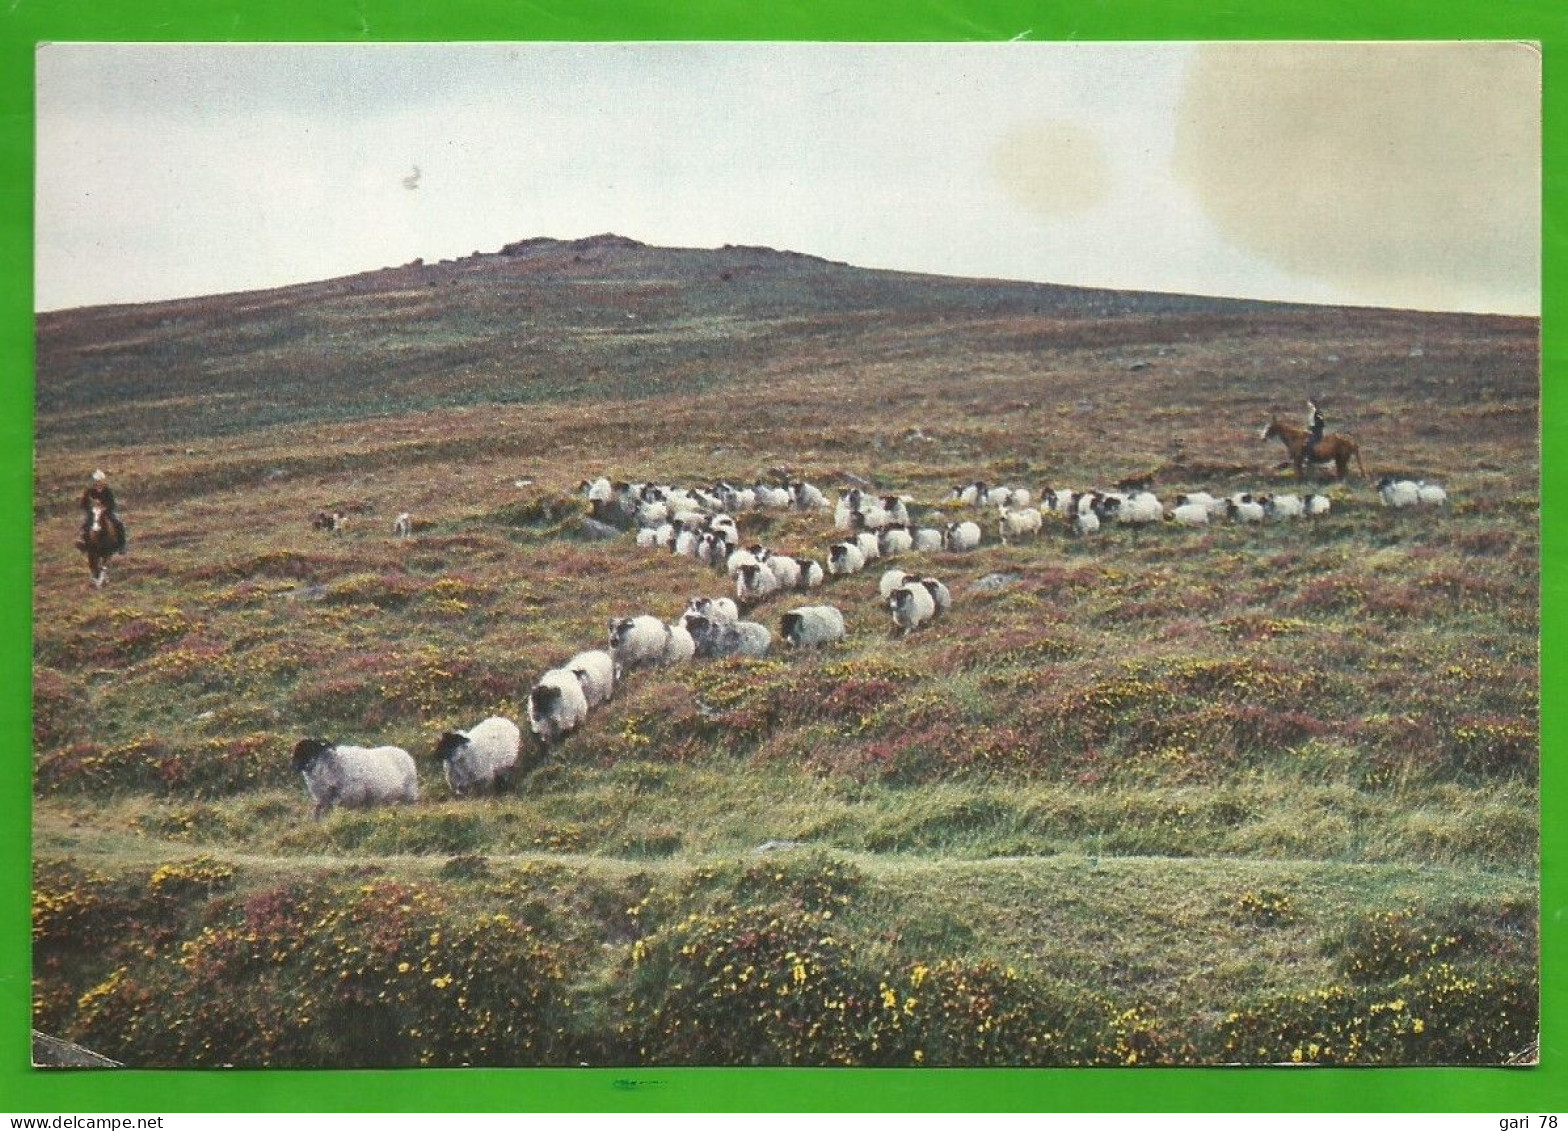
[23, 1090]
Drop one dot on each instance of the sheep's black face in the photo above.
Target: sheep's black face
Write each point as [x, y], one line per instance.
[449, 744]
[933, 586]
[618, 632]
[699, 626]
[837, 552]
[897, 599]
[790, 627]
[543, 699]
[307, 750]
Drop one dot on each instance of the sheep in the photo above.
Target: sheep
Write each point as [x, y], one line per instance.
[870, 545]
[1086, 523]
[721, 610]
[1398, 493]
[557, 705]
[738, 560]
[597, 671]
[812, 626]
[895, 540]
[647, 538]
[330, 521]
[897, 508]
[928, 540]
[810, 574]
[1283, 506]
[1317, 505]
[786, 569]
[755, 582]
[845, 558]
[891, 580]
[1430, 494]
[1139, 509]
[807, 497]
[961, 536]
[1189, 514]
[912, 606]
[1215, 507]
[715, 641]
[635, 641]
[1018, 522]
[483, 757]
[774, 498]
[679, 647]
[355, 776]
[403, 526]
[970, 494]
[848, 504]
[1244, 511]
[686, 544]
[939, 594]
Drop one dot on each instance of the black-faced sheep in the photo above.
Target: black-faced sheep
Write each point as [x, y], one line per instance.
[556, 705]
[961, 536]
[939, 594]
[637, 641]
[596, 671]
[480, 758]
[715, 641]
[355, 776]
[812, 626]
[912, 606]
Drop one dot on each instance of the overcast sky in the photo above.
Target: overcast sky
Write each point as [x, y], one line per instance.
[1390, 175]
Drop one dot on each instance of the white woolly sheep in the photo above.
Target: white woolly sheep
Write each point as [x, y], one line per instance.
[1189, 514]
[870, 547]
[961, 536]
[786, 569]
[1430, 494]
[733, 563]
[680, 647]
[1317, 505]
[1140, 509]
[912, 606]
[1086, 523]
[721, 610]
[647, 538]
[895, 540]
[810, 574]
[807, 497]
[754, 582]
[716, 641]
[1244, 512]
[636, 641]
[403, 526]
[556, 705]
[845, 558]
[1018, 522]
[897, 508]
[812, 626]
[1398, 493]
[355, 777]
[928, 540]
[597, 672]
[482, 757]
[1215, 507]
[1283, 506]
[939, 594]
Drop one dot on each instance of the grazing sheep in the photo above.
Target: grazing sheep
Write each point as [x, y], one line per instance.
[1245, 511]
[721, 610]
[1430, 494]
[403, 526]
[1283, 506]
[895, 540]
[870, 546]
[739, 559]
[891, 580]
[786, 569]
[715, 641]
[810, 574]
[1189, 514]
[597, 672]
[928, 540]
[1398, 493]
[755, 582]
[483, 757]
[897, 508]
[1086, 523]
[812, 626]
[355, 777]
[636, 641]
[912, 606]
[961, 536]
[1018, 522]
[939, 594]
[1317, 505]
[1215, 507]
[969, 493]
[679, 647]
[1140, 509]
[807, 497]
[845, 558]
[557, 705]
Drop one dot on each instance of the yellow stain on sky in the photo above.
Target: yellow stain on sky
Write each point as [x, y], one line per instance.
[1411, 169]
[1053, 168]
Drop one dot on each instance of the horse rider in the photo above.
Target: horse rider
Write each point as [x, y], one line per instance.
[1314, 431]
[99, 492]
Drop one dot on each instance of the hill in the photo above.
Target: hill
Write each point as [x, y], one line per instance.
[1162, 796]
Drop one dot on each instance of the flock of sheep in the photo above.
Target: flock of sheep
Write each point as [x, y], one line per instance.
[699, 522]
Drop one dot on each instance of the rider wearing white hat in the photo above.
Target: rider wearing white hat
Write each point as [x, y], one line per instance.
[99, 492]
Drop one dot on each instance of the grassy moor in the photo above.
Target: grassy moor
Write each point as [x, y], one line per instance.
[1166, 795]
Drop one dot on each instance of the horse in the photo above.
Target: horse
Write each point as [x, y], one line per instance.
[101, 543]
[1337, 450]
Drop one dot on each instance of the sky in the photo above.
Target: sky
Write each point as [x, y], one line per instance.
[1402, 175]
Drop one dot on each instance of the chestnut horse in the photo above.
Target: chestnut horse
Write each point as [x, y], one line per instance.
[1330, 449]
[101, 543]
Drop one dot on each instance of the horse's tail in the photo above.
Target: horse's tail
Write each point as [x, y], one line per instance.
[1355, 450]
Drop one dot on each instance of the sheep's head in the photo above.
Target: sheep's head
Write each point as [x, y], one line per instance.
[899, 598]
[307, 750]
[789, 627]
[619, 630]
[448, 744]
[542, 699]
[699, 626]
